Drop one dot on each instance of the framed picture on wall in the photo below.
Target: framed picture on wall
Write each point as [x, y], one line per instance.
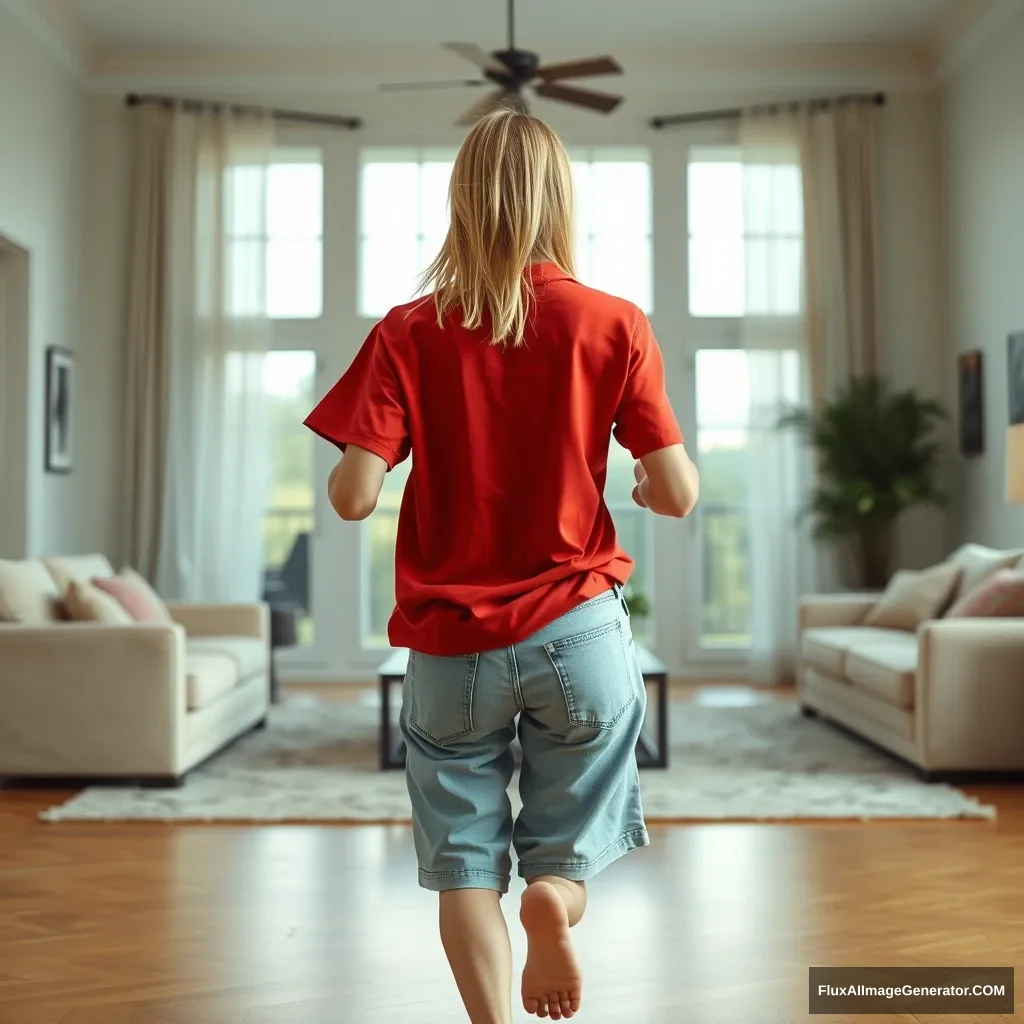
[60, 366]
[971, 367]
[1015, 377]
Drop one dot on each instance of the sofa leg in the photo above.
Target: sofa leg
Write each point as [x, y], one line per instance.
[261, 724]
[808, 712]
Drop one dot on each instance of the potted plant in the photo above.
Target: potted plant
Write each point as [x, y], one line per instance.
[877, 455]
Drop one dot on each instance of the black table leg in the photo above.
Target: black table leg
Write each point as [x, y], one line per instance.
[392, 748]
[648, 756]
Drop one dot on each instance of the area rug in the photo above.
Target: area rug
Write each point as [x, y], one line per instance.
[317, 761]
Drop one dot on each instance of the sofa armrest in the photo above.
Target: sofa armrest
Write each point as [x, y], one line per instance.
[829, 610]
[970, 693]
[223, 619]
[83, 699]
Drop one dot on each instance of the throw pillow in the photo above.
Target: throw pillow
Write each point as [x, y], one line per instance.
[978, 563]
[1001, 596]
[136, 596]
[86, 603]
[27, 594]
[914, 597]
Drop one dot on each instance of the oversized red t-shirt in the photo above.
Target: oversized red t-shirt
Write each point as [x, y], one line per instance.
[503, 525]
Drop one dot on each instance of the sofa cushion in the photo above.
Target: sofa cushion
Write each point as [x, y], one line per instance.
[85, 603]
[250, 655]
[913, 597]
[28, 594]
[826, 647]
[886, 666]
[977, 563]
[136, 596]
[82, 568]
[208, 676]
[1001, 596]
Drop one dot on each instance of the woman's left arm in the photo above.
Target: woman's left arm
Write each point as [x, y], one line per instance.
[355, 482]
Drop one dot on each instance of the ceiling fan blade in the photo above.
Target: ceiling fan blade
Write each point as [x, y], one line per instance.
[458, 83]
[491, 102]
[476, 55]
[580, 69]
[601, 101]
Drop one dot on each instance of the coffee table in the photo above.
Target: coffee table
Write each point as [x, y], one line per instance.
[651, 747]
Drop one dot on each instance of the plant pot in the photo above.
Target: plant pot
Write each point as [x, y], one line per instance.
[873, 551]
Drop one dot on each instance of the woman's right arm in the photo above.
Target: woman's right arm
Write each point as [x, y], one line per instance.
[667, 482]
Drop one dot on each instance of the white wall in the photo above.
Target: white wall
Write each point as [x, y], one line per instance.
[984, 155]
[42, 205]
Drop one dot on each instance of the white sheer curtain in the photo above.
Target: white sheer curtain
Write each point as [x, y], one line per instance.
[773, 335]
[198, 339]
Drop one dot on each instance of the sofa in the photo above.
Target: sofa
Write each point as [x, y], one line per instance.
[143, 701]
[948, 698]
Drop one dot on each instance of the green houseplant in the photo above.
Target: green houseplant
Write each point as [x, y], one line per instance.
[877, 455]
[637, 603]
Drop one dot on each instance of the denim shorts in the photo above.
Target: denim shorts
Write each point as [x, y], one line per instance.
[575, 695]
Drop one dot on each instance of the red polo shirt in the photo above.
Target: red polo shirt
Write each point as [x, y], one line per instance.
[503, 525]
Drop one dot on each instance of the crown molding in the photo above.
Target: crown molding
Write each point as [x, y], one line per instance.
[52, 25]
[972, 24]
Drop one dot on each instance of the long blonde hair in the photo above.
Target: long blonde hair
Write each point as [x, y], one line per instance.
[511, 203]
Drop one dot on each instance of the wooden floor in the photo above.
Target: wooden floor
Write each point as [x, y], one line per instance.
[714, 924]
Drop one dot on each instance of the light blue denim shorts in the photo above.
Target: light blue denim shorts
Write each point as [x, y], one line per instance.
[575, 695]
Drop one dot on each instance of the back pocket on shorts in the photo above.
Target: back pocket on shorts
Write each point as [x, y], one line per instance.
[595, 675]
[441, 696]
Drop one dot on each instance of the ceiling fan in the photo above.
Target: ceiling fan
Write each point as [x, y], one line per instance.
[512, 70]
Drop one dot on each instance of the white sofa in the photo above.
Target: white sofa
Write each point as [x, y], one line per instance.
[140, 702]
[949, 698]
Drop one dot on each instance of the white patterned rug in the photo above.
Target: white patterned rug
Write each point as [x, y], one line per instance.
[317, 761]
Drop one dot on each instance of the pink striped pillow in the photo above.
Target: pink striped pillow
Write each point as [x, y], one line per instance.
[135, 596]
[1001, 596]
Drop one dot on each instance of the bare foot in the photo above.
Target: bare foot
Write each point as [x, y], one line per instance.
[552, 981]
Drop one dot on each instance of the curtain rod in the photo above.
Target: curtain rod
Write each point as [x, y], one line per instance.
[303, 117]
[878, 99]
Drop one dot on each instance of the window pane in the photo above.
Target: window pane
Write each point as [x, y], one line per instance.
[245, 280]
[245, 191]
[581, 173]
[774, 272]
[717, 276]
[389, 269]
[288, 523]
[621, 198]
[434, 179]
[723, 396]
[295, 279]
[621, 265]
[390, 198]
[295, 201]
[715, 200]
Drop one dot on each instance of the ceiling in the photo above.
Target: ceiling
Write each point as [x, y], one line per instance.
[332, 43]
[264, 25]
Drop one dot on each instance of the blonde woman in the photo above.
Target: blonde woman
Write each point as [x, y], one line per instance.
[506, 385]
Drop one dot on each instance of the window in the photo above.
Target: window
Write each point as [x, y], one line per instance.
[634, 527]
[613, 222]
[745, 234]
[275, 231]
[289, 380]
[404, 220]
[380, 533]
[724, 430]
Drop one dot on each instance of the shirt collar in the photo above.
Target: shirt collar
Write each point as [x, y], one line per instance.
[542, 273]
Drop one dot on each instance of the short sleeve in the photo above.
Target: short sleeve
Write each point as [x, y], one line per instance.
[367, 406]
[644, 421]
